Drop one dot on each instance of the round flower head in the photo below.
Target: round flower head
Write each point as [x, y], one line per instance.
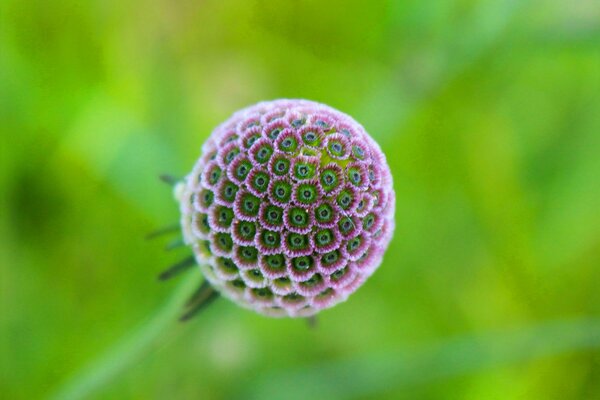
[292, 207]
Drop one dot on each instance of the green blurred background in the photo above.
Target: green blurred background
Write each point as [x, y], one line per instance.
[488, 111]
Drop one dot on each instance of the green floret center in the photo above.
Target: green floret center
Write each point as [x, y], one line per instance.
[282, 282]
[310, 138]
[251, 140]
[282, 191]
[289, 144]
[325, 293]
[322, 124]
[361, 205]
[324, 237]
[354, 176]
[238, 284]
[337, 275]
[324, 213]
[344, 199]
[264, 293]
[255, 275]
[231, 155]
[329, 180]
[250, 204]
[260, 182]
[346, 224]
[298, 122]
[313, 281]
[271, 239]
[214, 176]
[298, 217]
[368, 222]
[274, 215]
[354, 244]
[229, 191]
[293, 298]
[247, 230]
[371, 173]
[297, 242]
[243, 169]
[331, 257]
[224, 216]
[275, 261]
[227, 264]
[302, 263]
[206, 198]
[264, 153]
[358, 152]
[377, 196]
[274, 133]
[248, 253]
[336, 148]
[203, 224]
[307, 193]
[224, 241]
[304, 170]
[281, 166]
[204, 248]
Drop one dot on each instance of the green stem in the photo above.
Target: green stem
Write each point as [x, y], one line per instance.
[125, 353]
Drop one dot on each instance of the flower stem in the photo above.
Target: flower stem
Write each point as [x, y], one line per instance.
[122, 355]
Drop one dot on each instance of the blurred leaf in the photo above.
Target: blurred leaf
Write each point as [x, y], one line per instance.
[124, 354]
[400, 368]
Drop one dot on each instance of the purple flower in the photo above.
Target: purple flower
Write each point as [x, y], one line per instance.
[289, 208]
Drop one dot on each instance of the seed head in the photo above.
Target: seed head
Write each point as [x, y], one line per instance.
[290, 207]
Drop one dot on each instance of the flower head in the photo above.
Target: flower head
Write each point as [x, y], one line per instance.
[293, 207]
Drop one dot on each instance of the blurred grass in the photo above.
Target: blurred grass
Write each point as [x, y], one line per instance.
[378, 372]
[108, 367]
[487, 110]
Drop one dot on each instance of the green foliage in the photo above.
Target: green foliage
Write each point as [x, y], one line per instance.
[486, 110]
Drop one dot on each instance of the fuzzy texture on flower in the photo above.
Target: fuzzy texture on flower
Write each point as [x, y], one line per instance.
[289, 209]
